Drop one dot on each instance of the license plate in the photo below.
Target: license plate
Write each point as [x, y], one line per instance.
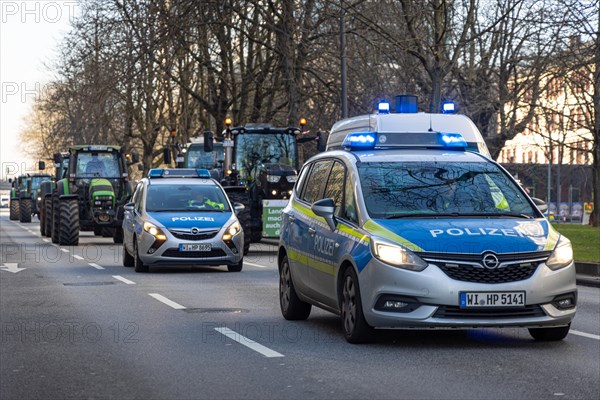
[195, 247]
[492, 299]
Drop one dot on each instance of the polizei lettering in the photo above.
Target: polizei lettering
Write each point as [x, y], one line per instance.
[324, 246]
[476, 232]
[206, 219]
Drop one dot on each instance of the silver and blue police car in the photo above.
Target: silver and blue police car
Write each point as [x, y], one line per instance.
[389, 235]
[181, 217]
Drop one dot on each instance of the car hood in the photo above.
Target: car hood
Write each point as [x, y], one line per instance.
[468, 236]
[183, 220]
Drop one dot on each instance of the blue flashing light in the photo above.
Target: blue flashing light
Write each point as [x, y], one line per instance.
[155, 173]
[383, 107]
[448, 107]
[359, 141]
[203, 173]
[452, 140]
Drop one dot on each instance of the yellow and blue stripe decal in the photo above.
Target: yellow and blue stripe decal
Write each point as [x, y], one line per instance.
[553, 237]
[376, 229]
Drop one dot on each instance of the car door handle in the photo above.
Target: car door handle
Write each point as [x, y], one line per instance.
[292, 218]
[312, 231]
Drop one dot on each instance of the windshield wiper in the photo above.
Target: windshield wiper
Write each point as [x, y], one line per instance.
[458, 215]
[421, 215]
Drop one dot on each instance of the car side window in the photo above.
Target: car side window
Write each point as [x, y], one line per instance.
[316, 180]
[335, 187]
[301, 179]
[138, 197]
[349, 201]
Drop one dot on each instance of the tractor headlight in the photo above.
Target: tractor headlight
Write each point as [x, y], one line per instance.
[292, 178]
[273, 178]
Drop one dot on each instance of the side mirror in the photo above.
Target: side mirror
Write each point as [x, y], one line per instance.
[41, 165]
[167, 155]
[325, 208]
[541, 204]
[57, 158]
[128, 207]
[238, 208]
[208, 141]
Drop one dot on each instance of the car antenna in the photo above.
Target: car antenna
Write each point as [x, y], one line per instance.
[430, 124]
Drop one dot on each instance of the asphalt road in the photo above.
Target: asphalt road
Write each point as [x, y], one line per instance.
[75, 323]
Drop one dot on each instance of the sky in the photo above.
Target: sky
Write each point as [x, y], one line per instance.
[30, 32]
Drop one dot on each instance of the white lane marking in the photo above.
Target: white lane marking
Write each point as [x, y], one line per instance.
[255, 265]
[120, 278]
[233, 335]
[46, 240]
[77, 257]
[64, 250]
[587, 335]
[168, 302]
[95, 266]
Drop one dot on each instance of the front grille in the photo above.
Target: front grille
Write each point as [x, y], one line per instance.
[468, 273]
[489, 313]
[173, 252]
[198, 236]
[460, 266]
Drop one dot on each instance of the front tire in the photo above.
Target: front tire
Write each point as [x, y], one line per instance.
[69, 223]
[15, 212]
[550, 334]
[292, 308]
[55, 219]
[42, 218]
[236, 267]
[138, 265]
[47, 204]
[128, 260]
[25, 210]
[356, 329]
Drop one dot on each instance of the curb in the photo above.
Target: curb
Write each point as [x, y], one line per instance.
[588, 274]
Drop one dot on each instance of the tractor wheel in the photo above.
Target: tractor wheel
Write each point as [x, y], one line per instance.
[25, 210]
[47, 206]
[244, 217]
[15, 212]
[107, 231]
[69, 223]
[42, 218]
[55, 224]
[97, 231]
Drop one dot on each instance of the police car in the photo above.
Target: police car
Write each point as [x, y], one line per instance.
[181, 217]
[413, 231]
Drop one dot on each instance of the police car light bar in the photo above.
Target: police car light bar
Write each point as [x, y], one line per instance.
[452, 140]
[448, 107]
[383, 107]
[359, 141]
[178, 173]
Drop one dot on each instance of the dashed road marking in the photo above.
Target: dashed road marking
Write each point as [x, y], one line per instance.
[255, 265]
[46, 240]
[124, 280]
[77, 257]
[95, 266]
[64, 250]
[166, 301]
[587, 335]
[251, 344]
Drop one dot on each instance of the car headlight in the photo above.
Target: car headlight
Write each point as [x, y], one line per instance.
[562, 254]
[291, 178]
[154, 231]
[273, 178]
[232, 230]
[397, 256]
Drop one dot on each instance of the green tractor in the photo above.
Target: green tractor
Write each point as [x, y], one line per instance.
[61, 165]
[91, 193]
[24, 195]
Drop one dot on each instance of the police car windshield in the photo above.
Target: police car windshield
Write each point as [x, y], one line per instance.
[186, 198]
[438, 189]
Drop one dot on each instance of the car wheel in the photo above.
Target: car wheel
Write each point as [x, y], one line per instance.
[292, 308]
[128, 260]
[355, 326]
[138, 265]
[236, 267]
[549, 334]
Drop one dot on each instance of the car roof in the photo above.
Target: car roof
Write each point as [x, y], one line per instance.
[406, 155]
[181, 181]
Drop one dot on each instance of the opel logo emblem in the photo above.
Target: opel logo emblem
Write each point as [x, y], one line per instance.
[490, 261]
[195, 231]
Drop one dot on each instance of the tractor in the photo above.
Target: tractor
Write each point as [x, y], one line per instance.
[91, 193]
[24, 198]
